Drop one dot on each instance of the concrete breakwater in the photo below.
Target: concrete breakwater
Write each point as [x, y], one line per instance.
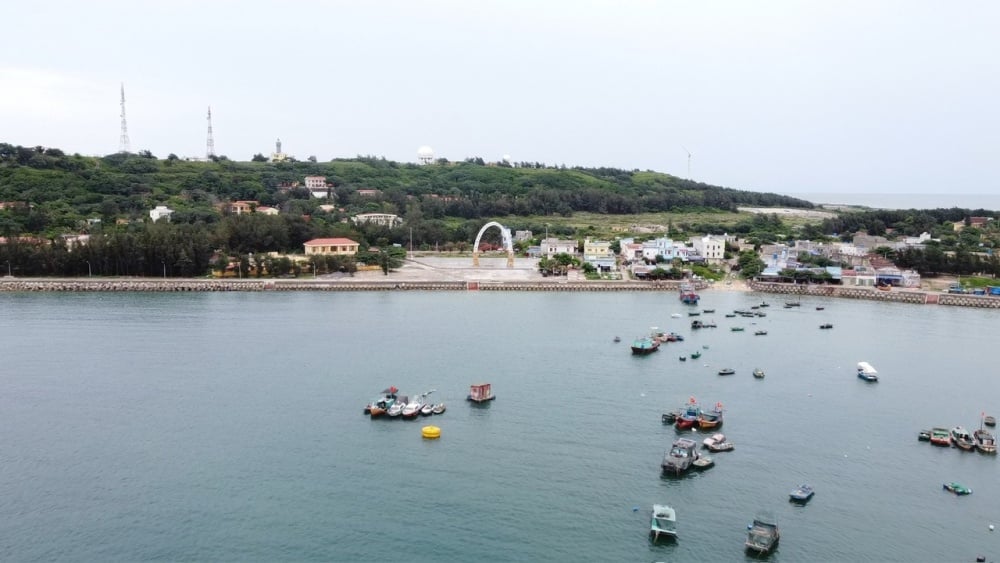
[873, 294]
[168, 285]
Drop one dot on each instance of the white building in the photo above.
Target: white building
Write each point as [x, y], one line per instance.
[160, 212]
[316, 182]
[710, 248]
[553, 246]
[384, 219]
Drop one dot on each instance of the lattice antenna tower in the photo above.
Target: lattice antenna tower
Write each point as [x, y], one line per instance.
[123, 144]
[210, 143]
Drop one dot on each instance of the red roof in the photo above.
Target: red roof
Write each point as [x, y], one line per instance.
[329, 242]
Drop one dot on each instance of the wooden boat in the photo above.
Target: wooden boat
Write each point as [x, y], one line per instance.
[727, 371]
[645, 345]
[688, 418]
[867, 372]
[481, 392]
[708, 310]
[989, 421]
[678, 458]
[758, 373]
[924, 436]
[663, 522]
[703, 462]
[940, 437]
[826, 325]
[820, 308]
[711, 419]
[801, 494]
[763, 534]
[693, 313]
[730, 315]
[736, 329]
[381, 405]
[957, 488]
[985, 441]
[962, 439]
[764, 304]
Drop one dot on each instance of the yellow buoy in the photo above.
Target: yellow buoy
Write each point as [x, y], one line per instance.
[431, 432]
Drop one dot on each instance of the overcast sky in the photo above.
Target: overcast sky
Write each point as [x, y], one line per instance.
[789, 97]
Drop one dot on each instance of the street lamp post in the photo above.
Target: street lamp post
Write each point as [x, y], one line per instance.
[164, 262]
[90, 272]
[8, 268]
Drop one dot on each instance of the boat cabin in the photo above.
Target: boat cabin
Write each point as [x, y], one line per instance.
[481, 392]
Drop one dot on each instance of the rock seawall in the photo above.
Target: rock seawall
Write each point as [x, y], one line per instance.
[873, 294]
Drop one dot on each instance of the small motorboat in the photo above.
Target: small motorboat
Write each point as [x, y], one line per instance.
[723, 446]
[760, 333]
[427, 409]
[820, 308]
[708, 310]
[695, 355]
[924, 436]
[727, 371]
[801, 494]
[663, 522]
[867, 372]
[693, 313]
[826, 325]
[617, 339]
[683, 358]
[678, 458]
[714, 438]
[736, 329]
[670, 417]
[957, 488]
[675, 316]
[758, 373]
[439, 408]
[730, 315]
[989, 421]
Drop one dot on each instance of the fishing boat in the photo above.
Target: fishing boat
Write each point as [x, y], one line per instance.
[867, 372]
[678, 458]
[760, 333]
[672, 416]
[708, 310]
[962, 439]
[736, 329]
[820, 308]
[924, 436]
[940, 437]
[694, 314]
[758, 373]
[762, 534]
[989, 421]
[645, 345]
[683, 358]
[985, 441]
[826, 325]
[688, 296]
[801, 494]
[711, 419]
[764, 304]
[439, 408]
[730, 315]
[381, 405]
[957, 488]
[688, 418]
[617, 339]
[663, 522]
[695, 355]
[722, 446]
[727, 371]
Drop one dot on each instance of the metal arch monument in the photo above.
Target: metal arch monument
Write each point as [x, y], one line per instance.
[508, 243]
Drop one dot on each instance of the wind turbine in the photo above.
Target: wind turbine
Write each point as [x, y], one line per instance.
[689, 161]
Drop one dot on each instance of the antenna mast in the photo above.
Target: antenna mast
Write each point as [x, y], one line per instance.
[123, 144]
[689, 161]
[210, 144]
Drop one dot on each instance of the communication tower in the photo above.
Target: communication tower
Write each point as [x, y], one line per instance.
[210, 144]
[123, 144]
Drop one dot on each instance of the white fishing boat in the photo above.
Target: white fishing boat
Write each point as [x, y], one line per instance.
[663, 522]
[867, 372]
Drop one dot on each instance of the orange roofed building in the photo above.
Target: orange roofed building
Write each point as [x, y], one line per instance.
[334, 246]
